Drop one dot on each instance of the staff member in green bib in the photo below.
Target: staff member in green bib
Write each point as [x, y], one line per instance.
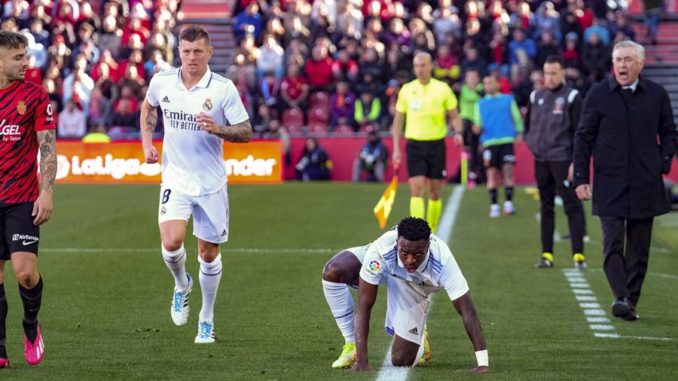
[428, 108]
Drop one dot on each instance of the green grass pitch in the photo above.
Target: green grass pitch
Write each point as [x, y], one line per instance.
[105, 312]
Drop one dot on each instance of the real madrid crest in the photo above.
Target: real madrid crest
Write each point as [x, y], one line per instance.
[207, 105]
[21, 107]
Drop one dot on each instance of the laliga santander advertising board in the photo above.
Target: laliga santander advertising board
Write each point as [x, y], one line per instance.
[257, 162]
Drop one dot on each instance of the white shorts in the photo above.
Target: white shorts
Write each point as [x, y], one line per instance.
[359, 252]
[406, 310]
[210, 212]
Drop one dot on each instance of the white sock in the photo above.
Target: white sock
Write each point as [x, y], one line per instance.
[210, 275]
[340, 301]
[176, 263]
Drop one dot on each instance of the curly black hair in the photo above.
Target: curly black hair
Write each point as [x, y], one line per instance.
[414, 229]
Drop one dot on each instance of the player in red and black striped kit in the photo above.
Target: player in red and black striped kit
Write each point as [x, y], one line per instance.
[26, 125]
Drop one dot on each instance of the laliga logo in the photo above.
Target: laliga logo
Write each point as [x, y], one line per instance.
[63, 167]
[119, 168]
[107, 165]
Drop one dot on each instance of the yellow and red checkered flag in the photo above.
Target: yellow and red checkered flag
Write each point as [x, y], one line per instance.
[385, 204]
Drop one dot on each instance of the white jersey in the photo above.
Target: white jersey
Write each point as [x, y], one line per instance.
[192, 159]
[438, 271]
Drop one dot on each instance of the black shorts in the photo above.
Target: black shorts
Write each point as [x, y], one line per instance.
[18, 231]
[426, 158]
[497, 156]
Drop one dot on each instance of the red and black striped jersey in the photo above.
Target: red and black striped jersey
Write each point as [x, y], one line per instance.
[24, 110]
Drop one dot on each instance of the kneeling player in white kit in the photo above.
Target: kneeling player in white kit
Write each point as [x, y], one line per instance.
[341, 272]
[414, 264]
[200, 110]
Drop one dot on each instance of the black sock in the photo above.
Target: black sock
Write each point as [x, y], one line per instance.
[3, 317]
[493, 195]
[32, 300]
[509, 193]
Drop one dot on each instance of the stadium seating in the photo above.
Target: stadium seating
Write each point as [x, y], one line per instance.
[293, 119]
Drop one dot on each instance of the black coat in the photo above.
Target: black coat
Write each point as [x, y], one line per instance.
[632, 138]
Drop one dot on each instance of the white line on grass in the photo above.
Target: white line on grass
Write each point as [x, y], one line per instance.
[388, 372]
[661, 275]
[648, 338]
[596, 317]
[157, 249]
[618, 336]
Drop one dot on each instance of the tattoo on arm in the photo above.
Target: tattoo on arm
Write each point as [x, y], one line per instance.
[48, 158]
[151, 118]
[237, 133]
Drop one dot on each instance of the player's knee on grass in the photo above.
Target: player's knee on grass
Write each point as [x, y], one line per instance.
[403, 359]
[403, 352]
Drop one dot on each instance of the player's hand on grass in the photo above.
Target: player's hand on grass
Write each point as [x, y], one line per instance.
[362, 366]
[151, 154]
[42, 208]
[206, 123]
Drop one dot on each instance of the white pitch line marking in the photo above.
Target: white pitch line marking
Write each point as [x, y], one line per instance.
[601, 327]
[597, 318]
[589, 305]
[388, 372]
[594, 312]
[648, 338]
[578, 279]
[582, 292]
[594, 319]
[661, 275]
[157, 249]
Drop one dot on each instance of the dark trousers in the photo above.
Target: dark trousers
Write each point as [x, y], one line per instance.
[625, 273]
[551, 180]
[476, 170]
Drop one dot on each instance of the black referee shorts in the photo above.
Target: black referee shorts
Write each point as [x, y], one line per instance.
[426, 158]
[18, 231]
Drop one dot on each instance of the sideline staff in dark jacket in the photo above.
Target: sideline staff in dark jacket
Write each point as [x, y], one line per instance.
[627, 125]
[552, 118]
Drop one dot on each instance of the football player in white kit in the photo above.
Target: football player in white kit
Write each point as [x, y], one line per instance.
[200, 110]
[341, 272]
[414, 264]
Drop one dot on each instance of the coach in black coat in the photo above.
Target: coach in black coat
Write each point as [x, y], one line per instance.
[627, 126]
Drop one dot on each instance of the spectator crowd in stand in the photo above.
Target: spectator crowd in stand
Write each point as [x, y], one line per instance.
[318, 66]
[336, 65]
[95, 57]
